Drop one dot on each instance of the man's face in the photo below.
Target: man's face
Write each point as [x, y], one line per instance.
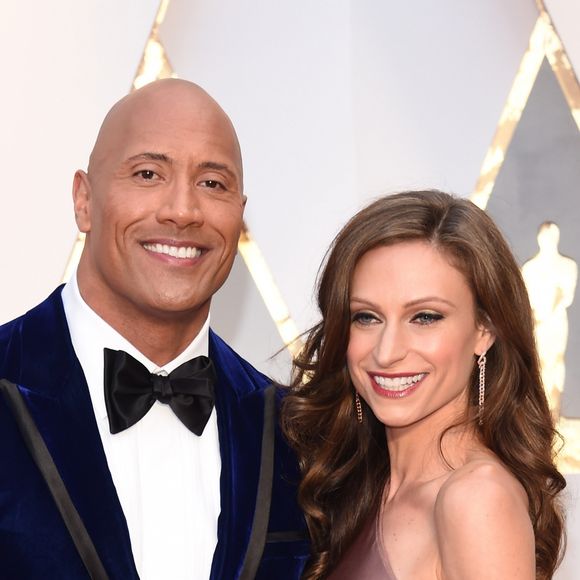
[162, 207]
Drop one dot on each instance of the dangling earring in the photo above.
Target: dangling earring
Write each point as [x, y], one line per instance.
[358, 407]
[481, 363]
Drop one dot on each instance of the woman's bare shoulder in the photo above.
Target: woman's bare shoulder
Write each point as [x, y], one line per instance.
[482, 523]
[483, 474]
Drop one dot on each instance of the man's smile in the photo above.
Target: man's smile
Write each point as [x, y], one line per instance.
[173, 249]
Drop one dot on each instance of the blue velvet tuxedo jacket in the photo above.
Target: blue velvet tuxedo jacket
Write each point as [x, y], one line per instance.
[36, 354]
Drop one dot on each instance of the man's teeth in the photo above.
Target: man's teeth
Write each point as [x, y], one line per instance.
[398, 383]
[174, 251]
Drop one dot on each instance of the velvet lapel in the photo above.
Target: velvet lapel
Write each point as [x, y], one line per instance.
[240, 415]
[41, 361]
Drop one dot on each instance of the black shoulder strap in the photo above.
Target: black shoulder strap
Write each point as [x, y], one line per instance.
[42, 458]
[264, 494]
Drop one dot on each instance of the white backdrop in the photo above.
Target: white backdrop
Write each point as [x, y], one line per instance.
[335, 102]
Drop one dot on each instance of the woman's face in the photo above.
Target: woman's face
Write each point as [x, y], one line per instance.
[413, 334]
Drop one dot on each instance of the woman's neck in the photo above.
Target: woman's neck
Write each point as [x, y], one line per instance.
[418, 453]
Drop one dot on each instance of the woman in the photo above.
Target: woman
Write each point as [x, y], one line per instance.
[417, 408]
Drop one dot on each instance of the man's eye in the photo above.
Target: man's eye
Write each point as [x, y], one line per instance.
[363, 318]
[426, 318]
[212, 184]
[146, 174]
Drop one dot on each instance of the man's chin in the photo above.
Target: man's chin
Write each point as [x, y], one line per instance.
[178, 307]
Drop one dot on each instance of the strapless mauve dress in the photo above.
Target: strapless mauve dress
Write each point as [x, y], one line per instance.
[365, 559]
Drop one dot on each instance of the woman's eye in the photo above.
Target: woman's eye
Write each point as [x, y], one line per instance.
[426, 318]
[363, 318]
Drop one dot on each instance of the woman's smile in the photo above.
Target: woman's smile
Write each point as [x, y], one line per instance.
[396, 385]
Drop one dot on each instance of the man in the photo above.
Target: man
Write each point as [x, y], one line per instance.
[122, 484]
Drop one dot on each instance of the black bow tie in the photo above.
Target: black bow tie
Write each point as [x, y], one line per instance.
[131, 390]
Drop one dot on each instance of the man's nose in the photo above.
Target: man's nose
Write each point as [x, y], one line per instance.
[181, 205]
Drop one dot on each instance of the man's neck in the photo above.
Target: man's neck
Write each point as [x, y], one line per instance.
[159, 336]
[161, 341]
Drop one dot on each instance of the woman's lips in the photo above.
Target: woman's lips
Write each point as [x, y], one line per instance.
[396, 386]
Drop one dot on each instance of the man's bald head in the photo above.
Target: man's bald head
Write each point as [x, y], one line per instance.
[159, 100]
[162, 208]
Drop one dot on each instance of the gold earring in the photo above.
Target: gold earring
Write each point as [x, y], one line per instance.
[358, 408]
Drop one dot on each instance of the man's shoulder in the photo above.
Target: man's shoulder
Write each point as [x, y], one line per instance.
[229, 362]
[49, 306]
[42, 325]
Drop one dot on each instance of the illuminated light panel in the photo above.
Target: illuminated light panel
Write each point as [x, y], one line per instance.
[74, 257]
[510, 117]
[562, 68]
[568, 458]
[273, 300]
[154, 63]
[544, 43]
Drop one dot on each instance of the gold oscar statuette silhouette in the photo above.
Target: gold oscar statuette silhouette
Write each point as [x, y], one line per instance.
[551, 281]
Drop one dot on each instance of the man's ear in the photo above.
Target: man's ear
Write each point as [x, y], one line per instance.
[82, 201]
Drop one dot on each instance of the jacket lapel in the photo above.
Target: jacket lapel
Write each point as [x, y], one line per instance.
[240, 415]
[42, 362]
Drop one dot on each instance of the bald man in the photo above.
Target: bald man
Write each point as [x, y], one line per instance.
[134, 443]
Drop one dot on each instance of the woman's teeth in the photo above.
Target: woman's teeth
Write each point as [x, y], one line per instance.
[397, 383]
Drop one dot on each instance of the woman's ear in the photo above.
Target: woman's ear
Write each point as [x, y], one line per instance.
[486, 335]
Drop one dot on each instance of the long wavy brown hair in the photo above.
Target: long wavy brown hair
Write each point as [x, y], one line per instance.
[344, 465]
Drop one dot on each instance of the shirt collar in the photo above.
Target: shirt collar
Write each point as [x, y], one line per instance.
[90, 334]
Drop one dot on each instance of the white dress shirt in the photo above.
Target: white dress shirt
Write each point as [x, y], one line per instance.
[167, 478]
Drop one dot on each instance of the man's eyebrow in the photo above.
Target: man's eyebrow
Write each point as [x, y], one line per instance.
[217, 167]
[150, 156]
